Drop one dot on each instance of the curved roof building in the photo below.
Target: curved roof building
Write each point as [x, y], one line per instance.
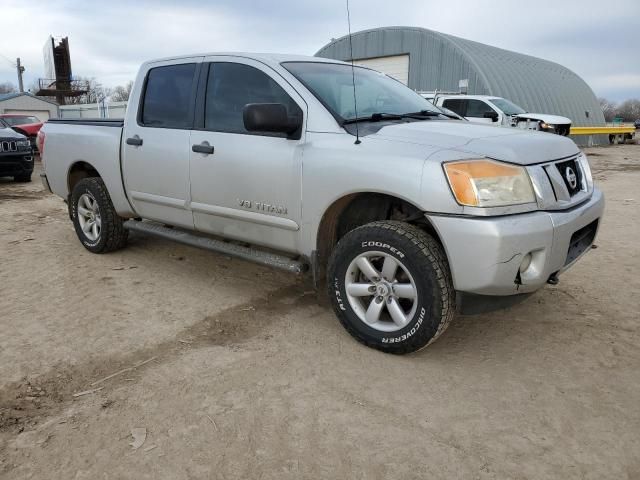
[426, 60]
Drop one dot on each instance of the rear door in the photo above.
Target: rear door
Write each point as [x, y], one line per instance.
[248, 187]
[156, 142]
[457, 105]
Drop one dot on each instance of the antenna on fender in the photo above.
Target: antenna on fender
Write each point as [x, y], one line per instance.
[353, 77]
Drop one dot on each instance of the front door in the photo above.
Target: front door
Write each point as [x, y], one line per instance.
[479, 111]
[245, 185]
[156, 143]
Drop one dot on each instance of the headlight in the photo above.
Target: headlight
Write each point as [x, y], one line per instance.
[23, 143]
[586, 169]
[487, 183]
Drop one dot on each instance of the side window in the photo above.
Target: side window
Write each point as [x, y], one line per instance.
[455, 105]
[231, 86]
[477, 108]
[168, 96]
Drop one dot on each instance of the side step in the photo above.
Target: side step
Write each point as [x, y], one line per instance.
[181, 236]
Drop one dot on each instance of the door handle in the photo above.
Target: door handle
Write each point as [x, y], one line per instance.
[136, 141]
[203, 147]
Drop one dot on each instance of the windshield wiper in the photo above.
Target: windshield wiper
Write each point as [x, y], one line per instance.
[376, 117]
[421, 115]
[431, 113]
[380, 116]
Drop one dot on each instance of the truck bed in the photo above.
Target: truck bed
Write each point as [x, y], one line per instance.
[71, 142]
[98, 122]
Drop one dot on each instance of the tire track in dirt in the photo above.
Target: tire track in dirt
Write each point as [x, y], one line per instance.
[26, 403]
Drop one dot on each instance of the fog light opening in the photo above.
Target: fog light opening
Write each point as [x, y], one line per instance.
[526, 262]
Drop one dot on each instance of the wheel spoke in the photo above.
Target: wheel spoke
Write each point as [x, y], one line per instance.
[99, 221]
[82, 211]
[367, 269]
[87, 202]
[87, 227]
[94, 229]
[389, 268]
[374, 311]
[396, 312]
[359, 289]
[404, 290]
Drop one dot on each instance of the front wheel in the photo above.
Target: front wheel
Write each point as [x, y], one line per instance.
[390, 286]
[97, 224]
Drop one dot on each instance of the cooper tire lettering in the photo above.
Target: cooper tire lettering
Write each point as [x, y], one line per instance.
[376, 244]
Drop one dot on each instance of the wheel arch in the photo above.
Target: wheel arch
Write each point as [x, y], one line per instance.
[354, 210]
[79, 170]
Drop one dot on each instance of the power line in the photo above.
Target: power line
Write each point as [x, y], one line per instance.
[13, 64]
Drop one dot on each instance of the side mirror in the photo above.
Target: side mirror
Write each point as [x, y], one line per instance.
[492, 115]
[270, 117]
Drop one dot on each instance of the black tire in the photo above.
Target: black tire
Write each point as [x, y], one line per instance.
[22, 178]
[113, 235]
[423, 258]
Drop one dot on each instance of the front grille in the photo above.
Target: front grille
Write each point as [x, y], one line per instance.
[580, 241]
[571, 175]
[8, 146]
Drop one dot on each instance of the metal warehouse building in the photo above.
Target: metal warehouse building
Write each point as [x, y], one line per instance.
[426, 60]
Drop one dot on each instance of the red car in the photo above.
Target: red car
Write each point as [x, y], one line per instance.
[28, 125]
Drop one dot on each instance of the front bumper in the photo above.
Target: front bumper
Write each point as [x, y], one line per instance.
[485, 254]
[16, 164]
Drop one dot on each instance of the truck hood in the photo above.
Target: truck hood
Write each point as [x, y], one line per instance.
[550, 119]
[9, 133]
[507, 144]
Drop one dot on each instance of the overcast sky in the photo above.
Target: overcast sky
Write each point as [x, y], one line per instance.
[109, 39]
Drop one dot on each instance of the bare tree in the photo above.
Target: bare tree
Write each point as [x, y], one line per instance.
[121, 93]
[95, 92]
[629, 110]
[608, 108]
[7, 87]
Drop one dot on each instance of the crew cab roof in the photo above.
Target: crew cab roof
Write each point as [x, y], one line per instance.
[266, 58]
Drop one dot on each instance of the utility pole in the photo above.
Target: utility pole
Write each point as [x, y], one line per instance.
[20, 70]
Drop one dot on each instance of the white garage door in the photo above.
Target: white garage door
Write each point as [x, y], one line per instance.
[396, 66]
[43, 115]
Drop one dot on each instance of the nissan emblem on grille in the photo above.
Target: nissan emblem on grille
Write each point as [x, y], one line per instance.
[571, 177]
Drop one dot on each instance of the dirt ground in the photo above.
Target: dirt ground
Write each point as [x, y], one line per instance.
[235, 371]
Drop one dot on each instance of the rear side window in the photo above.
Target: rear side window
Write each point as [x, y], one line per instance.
[168, 97]
[231, 86]
[455, 105]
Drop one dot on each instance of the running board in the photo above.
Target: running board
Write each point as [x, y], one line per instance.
[246, 253]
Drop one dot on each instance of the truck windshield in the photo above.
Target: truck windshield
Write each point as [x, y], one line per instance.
[376, 93]
[507, 107]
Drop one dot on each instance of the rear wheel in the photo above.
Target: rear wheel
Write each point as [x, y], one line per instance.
[391, 287]
[98, 226]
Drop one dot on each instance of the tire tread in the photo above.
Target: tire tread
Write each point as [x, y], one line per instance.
[433, 251]
[116, 235]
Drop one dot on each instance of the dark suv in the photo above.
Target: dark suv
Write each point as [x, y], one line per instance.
[16, 154]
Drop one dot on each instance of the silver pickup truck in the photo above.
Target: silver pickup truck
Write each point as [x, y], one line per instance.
[404, 213]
